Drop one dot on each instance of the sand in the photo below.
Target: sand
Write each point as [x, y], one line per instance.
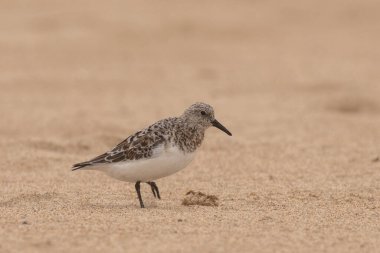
[296, 82]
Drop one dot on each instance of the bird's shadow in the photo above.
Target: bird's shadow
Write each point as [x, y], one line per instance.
[126, 206]
[108, 206]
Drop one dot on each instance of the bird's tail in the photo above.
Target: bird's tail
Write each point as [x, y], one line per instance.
[78, 166]
[91, 163]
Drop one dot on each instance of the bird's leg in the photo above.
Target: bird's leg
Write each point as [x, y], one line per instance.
[137, 186]
[155, 190]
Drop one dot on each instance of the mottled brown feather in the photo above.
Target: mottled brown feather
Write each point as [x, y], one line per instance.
[185, 132]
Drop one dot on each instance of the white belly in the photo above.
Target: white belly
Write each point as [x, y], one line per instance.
[165, 162]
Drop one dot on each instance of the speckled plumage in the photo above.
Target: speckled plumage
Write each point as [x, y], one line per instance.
[168, 144]
[176, 131]
[170, 131]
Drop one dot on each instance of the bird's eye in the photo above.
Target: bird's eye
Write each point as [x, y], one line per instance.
[203, 112]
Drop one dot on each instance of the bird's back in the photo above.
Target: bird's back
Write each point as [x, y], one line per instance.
[140, 145]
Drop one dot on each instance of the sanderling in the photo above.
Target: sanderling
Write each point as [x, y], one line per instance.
[157, 151]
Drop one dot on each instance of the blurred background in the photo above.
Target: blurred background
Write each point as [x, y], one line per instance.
[296, 82]
[68, 58]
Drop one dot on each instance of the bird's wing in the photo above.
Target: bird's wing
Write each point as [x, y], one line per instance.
[137, 146]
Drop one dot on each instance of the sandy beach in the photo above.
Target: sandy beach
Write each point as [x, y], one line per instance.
[296, 82]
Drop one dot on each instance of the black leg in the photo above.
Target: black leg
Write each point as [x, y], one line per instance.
[155, 190]
[137, 186]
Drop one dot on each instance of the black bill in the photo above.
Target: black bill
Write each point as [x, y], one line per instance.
[216, 124]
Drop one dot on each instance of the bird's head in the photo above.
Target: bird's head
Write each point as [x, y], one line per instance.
[202, 115]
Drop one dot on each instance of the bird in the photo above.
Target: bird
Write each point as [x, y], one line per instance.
[157, 151]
